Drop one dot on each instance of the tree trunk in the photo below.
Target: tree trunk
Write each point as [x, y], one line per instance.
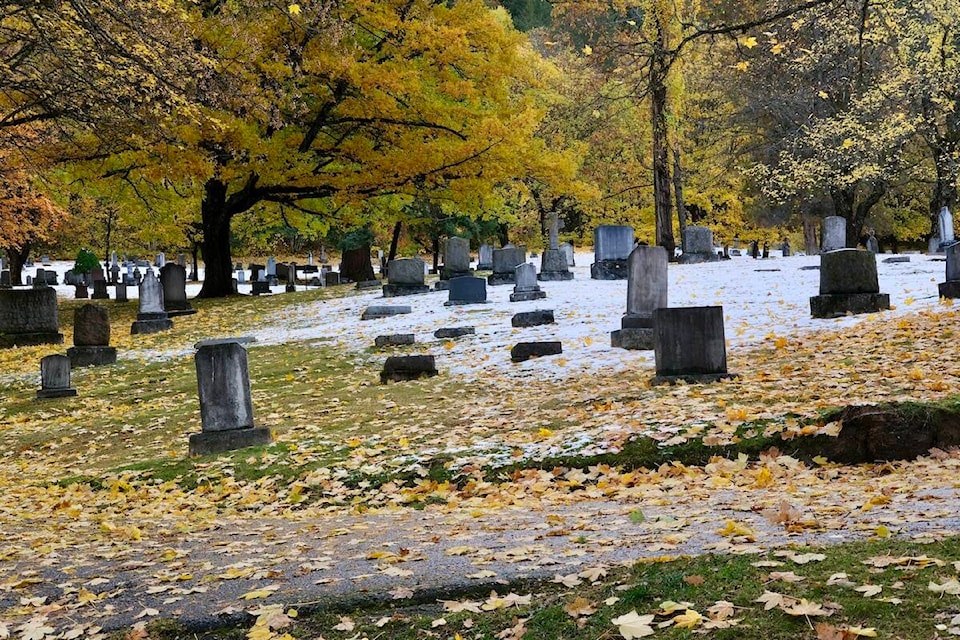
[678, 196]
[662, 206]
[355, 264]
[811, 244]
[394, 241]
[16, 258]
[503, 233]
[215, 246]
[435, 247]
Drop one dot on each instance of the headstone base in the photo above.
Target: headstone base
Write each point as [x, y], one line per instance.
[609, 270]
[633, 339]
[449, 274]
[210, 442]
[385, 311]
[260, 286]
[394, 290]
[394, 340]
[701, 378]
[524, 296]
[363, 284]
[554, 276]
[949, 289]
[697, 258]
[533, 318]
[457, 303]
[46, 394]
[454, 332]
[29, 339]
[523, 351]
[484, 266]
[150, 323]
[91, 356]
[403, 368]
[835, 305]
[496, 279]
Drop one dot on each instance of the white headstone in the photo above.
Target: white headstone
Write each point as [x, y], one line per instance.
[151, 294]
[946, 226]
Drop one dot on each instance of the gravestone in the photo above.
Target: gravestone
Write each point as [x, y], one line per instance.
[332, 279]
[553, 265]
[256, 271]
[689, 345]
[401, 368]
[241, 275]
[151, 317]
[291, 277]
[612, 245]
[182, 260]
[114, 273]
[873, 245]
[945, 224]
[951, 288]
[467, 290]
[646, 292]
[100, 290]
[55, 378]
[160, 261]
[173, 278]
[120, 292]
[128, 278]
[785, 249]
[91, 338]
[834, 233]
[405, 277]
[456, 259]
[394, 340]
[271, 269]
[80, 291]
[485, 258]
[29, 281]
[525, 286]
[568, 253]
[226, 406]
[933, 245]
[532, 318]
[5, 281]
[45, 261]
[454, 332]
[848, 285]
[523, 351]
[385, 311]
[698, 246]
[259, 287]
[505, 262]
[28, 317]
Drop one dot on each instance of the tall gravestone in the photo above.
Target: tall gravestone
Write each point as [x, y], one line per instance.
[29, 317]
[505, 262]
[689, 345]
[698, 246]
[485, 257]
[553, 263]
[160, 261]
[568, 253]
[951, 288]
[405, 277]
[467, 290]
[271, 270]
[173, 279]
[848, 284]
[91, 338]
[151, 317]
[834, 233]
[525, 286]
[612, 245]
[646, 292]
[55, 378]
[226, 405]
[456, 258]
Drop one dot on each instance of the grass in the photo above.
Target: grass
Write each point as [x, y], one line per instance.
[905, 608]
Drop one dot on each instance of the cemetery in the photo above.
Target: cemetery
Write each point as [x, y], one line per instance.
[479, 320]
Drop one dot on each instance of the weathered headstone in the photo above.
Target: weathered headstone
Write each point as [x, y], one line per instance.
[485, 257]
[394, 340]
[834, 233]
[80, 291]
[405, 277]
[6, 281]
[55, 378]
[454, 332]
[332, 279]
[553, 265]
[385, 311]
[226, 406]
[241, 275]
[114, 273]
[182, 260]
[121, 292]
[698, 246]
[29, 317]
[532, 318]
[568, 253]
[933, 245]
[271, 269]
[848, 285]
[456, 258]
[401, 368]
[689, 345]
[505, 262]
[291, 277]
[646, 292]
[151, 317]
[873, 245]
[612, 245]
[526, 287]
[785, 248]
[945, 224]
[100, 290]
[91, 338]
[951, 288]
[173, 278]
[523, 351]
[45, 261]
[467, 290]
[160, 261]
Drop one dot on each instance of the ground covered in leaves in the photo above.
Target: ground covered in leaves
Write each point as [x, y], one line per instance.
[548, 492]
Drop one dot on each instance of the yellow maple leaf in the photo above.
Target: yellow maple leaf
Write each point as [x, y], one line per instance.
[688, 619]
[294, 9]
[587, 50]
[749, 42]
[633, 625]
[258, 593]
[734, 528]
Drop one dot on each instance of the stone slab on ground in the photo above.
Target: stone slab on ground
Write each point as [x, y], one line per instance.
[402, 368]
[533, 318]
[523, 351]
[385, 311]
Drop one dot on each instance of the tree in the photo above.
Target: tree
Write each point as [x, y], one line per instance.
[27, 216]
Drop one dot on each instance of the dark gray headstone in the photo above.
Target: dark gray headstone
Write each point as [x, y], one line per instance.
[456, 258]
[646, 292]
[91, 338]
[394, 340]
[332, 279]
[523, 351]
[173, 279]
[385, 311]
[689, 344]
[454, 332]
[533, 318]
[951, 288]
[5, 280]
[467, 290]
[100, 290]
[55, 378]
[554, 267]
[698, 246]
[226, 406]
[848, 285]
[121, 292]
[405, 277]
[401, 368]
[525, 286]
[29, 317]
[485, 257]
[612, 245]
[505, 262]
